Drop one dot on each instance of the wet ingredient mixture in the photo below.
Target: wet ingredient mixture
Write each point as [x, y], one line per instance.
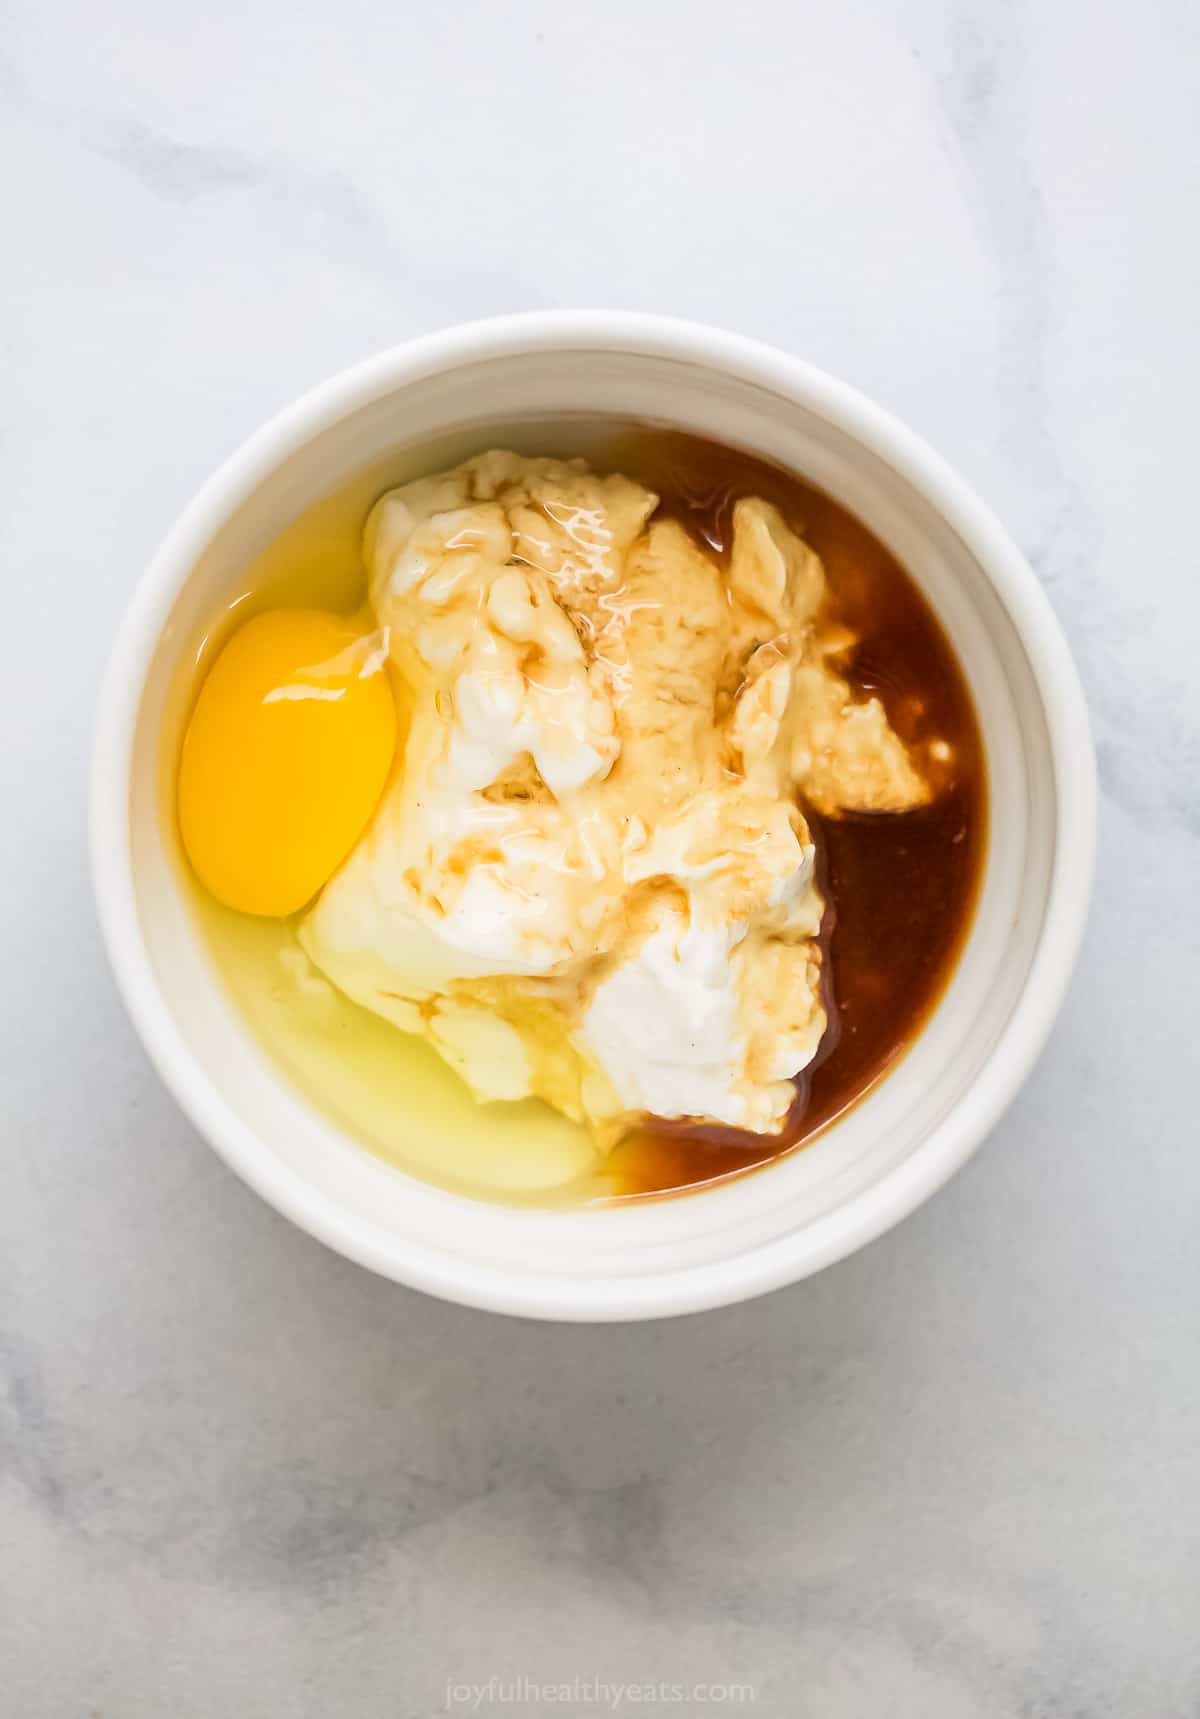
[683, 826]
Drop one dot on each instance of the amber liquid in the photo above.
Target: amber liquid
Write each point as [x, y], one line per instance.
[900, 888]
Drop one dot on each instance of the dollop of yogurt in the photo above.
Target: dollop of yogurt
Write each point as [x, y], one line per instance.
[589, 879]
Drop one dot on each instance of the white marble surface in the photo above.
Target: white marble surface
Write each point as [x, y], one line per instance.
[955, 1477]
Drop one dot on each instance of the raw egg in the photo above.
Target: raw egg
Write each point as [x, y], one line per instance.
[285, 757]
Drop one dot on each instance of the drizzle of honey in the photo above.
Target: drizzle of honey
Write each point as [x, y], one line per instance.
[900, 888]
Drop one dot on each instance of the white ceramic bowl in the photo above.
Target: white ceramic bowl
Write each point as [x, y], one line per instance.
[433, 401]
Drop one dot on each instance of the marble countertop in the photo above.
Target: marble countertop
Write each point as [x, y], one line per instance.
[956, 1476]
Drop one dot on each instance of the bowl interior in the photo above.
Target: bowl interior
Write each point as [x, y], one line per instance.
[661, 1256]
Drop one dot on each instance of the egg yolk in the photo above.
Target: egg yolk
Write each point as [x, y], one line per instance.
[285, 757]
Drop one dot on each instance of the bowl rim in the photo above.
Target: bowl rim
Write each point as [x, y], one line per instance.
[903, 1187]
